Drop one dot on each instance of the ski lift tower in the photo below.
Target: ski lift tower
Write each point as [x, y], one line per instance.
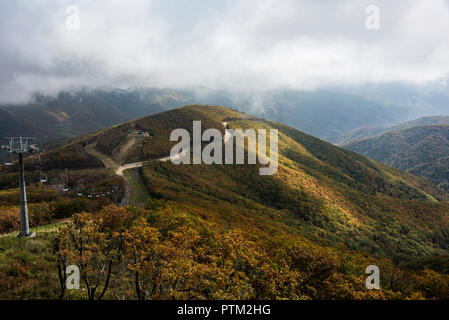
[21, 145]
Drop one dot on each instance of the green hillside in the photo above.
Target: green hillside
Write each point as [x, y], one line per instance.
[319, 189]
[420, 150]
[326, 207]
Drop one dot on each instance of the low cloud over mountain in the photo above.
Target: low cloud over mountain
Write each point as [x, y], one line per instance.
[227, 45]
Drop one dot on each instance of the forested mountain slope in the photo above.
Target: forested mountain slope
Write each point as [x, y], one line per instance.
[420, 150]
[320, 191]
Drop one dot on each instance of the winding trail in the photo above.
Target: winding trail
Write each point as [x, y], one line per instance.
[107, 161]
[127, 166]
[118, 169]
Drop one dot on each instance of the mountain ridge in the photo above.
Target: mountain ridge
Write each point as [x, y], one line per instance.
[320, 188]
[369, 132]
[420, 150]
[326, 208]
[321, 113]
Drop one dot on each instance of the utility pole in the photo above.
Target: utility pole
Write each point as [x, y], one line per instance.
[21, 145]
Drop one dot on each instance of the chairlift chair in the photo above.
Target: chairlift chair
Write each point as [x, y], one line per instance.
[91, 192]
[65, 182]
[36, 160]
[80, 188]
[43, 178]
[9, 161]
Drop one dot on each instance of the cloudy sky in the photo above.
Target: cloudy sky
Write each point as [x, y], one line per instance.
[245, 45]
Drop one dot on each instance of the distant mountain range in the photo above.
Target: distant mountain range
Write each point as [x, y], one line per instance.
[420, 99]
[324, 114]
[368, 132]
[420, 147]
[332, 114]
[70, 114]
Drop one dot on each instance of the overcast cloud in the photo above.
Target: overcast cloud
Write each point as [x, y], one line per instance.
[245, 44]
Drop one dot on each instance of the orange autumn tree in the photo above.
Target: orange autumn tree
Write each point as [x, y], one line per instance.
[93, 243]
[40, 213]
[142, 256]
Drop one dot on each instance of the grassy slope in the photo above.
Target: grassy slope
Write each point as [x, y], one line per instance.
[139, 195]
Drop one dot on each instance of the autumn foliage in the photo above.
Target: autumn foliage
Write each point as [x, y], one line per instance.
[169, 254]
